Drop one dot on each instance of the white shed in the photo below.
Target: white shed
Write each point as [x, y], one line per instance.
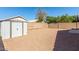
[13, 27]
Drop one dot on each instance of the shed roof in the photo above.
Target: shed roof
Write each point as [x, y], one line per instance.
[14, 19]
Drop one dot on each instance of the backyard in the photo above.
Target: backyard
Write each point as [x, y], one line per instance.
[47, 31]
[42, 38]
[36, 40]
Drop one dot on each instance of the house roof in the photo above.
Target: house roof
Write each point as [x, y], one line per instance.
[18, 18]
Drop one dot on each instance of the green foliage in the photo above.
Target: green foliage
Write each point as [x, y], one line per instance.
[61, 19]
[40, 18]
[67, 18]
[51, 19]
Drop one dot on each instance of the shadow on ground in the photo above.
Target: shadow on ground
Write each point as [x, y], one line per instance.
[66, 41]
[1, 45]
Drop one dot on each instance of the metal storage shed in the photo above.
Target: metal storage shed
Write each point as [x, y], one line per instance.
[13, 27]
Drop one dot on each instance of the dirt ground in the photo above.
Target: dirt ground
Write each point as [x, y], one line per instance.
[44, 39]
[35, 40]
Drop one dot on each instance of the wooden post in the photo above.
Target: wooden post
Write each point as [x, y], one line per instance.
[0, 29]
[58, 25]
[10, 29]
[76, 21]
[22, 28]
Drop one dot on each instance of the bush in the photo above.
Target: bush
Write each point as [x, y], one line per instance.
[61, 19]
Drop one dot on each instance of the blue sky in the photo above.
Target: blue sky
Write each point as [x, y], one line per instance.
[29, 13]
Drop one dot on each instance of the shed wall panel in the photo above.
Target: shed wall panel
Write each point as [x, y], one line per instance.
[25, 28]
[5, 29]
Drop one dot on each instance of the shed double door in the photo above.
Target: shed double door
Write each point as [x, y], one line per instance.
[16, 29]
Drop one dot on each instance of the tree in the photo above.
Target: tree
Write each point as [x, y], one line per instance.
[66, 18]
[51, 19]
[61, 19]
[41, 16]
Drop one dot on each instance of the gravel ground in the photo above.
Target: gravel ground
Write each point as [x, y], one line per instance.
[35, 40]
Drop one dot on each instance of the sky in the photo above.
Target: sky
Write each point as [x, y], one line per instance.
[29, 13]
